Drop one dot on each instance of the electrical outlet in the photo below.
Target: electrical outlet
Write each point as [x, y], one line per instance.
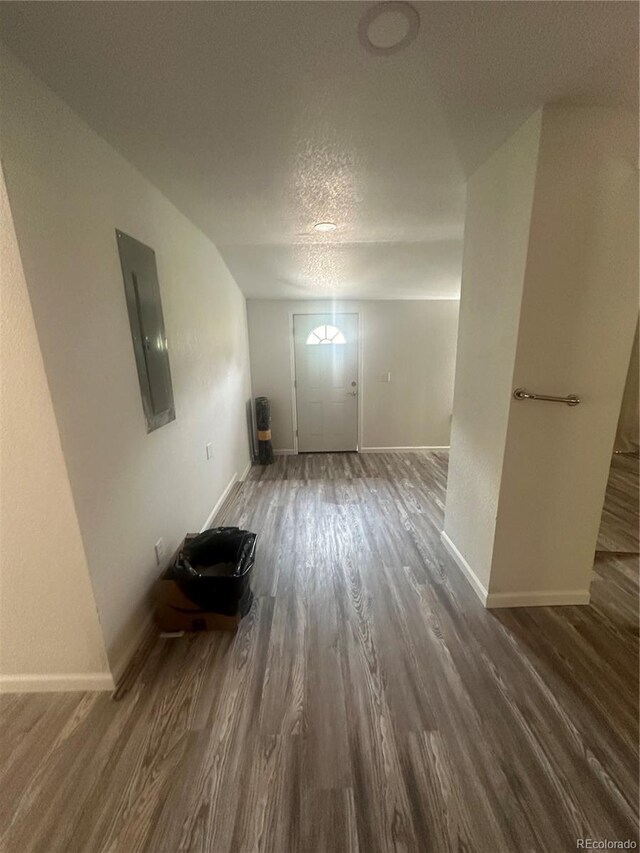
[209, 450]
[160, 552]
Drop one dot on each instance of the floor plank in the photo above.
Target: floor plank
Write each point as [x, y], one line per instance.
[367, 704]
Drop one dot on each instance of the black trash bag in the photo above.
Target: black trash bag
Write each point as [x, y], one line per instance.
[213, 570]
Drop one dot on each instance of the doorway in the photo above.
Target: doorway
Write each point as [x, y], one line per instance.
[619, 521]
[326, 381]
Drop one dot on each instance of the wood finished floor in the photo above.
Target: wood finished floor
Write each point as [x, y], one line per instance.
[368, 703]
[620, 522]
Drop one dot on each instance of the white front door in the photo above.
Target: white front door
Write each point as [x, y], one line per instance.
[326, 363]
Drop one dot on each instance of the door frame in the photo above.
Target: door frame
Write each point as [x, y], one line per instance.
[292, 369]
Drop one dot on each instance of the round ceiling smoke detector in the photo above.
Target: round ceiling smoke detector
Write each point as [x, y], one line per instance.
[388, 27]
[325, 226]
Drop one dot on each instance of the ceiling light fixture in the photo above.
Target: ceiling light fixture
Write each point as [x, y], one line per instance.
[388, 27]
[325, 226]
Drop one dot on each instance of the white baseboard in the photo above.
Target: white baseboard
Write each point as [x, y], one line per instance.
[402, 449]
[220, 501]
[245, 473]
[62, 682]
[494, 600]
[466, 569]
[538, 599]
[287, 452]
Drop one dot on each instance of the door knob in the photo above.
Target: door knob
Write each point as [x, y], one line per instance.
[352, 393]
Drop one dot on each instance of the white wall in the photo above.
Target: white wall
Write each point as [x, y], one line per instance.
[413, 340]
[577, 323]
[50, 636]
[499, 203]
[69, 191]
[529, 531]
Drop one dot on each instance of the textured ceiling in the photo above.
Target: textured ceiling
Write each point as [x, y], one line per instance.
[258, 119]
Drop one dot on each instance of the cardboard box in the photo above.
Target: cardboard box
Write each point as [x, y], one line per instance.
[175, 612]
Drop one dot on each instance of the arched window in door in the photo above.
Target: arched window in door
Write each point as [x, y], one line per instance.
[326, 335]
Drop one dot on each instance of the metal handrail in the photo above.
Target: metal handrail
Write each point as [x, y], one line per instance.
[521, 394]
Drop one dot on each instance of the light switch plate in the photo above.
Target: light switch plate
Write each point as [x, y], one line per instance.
[209, 450]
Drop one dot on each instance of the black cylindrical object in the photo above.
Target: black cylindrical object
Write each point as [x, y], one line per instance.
[214, 568]
[263, 422]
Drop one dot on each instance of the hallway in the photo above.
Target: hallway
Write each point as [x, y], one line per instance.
[619, 523]
[368, 703]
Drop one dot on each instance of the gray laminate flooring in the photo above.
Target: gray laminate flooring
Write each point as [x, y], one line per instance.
[368, 702]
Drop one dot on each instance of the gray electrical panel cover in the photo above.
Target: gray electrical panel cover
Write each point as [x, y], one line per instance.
[147, 330]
